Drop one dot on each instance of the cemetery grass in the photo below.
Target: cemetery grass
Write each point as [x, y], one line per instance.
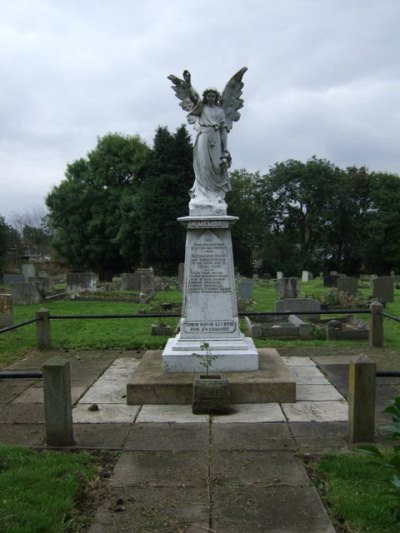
[50, 490]
[357, 494]
[135, 334]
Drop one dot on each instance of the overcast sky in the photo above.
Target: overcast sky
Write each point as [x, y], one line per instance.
[323, 79]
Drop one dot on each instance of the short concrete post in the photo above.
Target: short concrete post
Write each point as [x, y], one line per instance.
[376, 325]
[57, 402]
[43, 329]
[362, 387]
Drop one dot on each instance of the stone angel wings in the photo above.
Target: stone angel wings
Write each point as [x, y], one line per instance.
[229, 100]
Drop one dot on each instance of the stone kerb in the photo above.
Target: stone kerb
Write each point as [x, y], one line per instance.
[13, 278]
[383, 289]
[298, 305]
[348, 285]
[81, 281]
[6, 310]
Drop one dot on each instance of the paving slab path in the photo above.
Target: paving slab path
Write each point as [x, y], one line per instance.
[186, 473]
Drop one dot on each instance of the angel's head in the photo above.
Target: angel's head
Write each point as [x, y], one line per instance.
[211, 96]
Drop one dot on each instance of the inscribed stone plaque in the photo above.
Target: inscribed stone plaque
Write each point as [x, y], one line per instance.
[210, 290]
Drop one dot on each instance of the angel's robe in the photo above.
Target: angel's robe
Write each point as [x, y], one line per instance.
[212, 179]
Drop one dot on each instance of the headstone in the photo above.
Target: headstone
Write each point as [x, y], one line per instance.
[13, 278]
[305, 276]
[25, 293]
[348, 285]
[383, 289]
[44, 284]
[330, 281]
[6, 310]
[279, 275]
[130, 281]
[288, 287]
[81, 281]
[246, 289]
[298, 305]
[28, 270]
[147, 285]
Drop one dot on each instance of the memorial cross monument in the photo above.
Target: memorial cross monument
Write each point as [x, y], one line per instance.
[209, 311]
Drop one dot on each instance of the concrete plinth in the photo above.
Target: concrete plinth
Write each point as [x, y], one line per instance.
[271, 383]
[239, 355]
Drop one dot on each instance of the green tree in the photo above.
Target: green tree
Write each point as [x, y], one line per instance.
[382, 229]
[295, 198]
[246, 236]
[87, 209]
[163, 197]
[9, 239]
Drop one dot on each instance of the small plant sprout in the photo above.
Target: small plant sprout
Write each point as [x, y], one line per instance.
[207, 358]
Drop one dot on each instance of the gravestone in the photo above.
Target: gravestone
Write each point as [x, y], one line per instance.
[246, 289]
[146, 281]
[13, 278]
[6, 310]
[130, 281]
[383, 289]
[28, 270]
[348, 285]
[298, 305]
[288, 287]
[25, 293]
[279, 275]
[81, 281]
[330, 281]
[305, 276]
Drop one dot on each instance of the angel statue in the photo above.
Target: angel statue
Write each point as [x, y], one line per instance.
[212, 116]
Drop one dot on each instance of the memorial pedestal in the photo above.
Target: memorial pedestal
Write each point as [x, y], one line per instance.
[209, 312]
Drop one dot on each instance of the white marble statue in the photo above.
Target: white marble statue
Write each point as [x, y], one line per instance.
[212, 117]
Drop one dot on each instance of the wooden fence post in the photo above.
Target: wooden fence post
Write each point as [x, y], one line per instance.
[376, 325]
[362, 390]
[57, 402]
[43, 329]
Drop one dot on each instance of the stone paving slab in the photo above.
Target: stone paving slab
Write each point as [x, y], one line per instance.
[277, 509]
[161, 469]
[29, 435]
[316, 411]
[307, 375]
[11, 388]
[106, 413]
[257, 469]
[164, 437]
[101, 436]
[21, 413]
[35, 395]
[252, 436]
[177, 414]
[317, 393]
[298, 361]
[158, 510]
[106, 392]
[250, 413]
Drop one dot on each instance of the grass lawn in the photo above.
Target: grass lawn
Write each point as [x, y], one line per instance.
[48, 491]
[135, 333]
[357, 493]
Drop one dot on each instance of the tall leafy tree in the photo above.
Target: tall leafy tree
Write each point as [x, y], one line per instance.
[382, 229]
[295, 198]
[163, 197]
[246, 234]
[85, 210]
